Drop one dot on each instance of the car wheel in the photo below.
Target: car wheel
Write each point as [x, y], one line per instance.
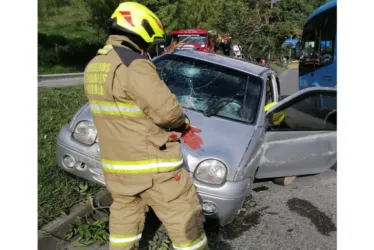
[284, 181]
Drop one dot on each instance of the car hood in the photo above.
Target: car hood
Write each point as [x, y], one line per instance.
[224, 140]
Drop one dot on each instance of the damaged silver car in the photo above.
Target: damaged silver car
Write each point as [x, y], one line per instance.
[225, 98]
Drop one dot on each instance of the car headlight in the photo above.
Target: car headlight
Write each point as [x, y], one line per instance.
[211, 171]
[85, 132]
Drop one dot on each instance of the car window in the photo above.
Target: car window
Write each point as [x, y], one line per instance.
[316, 112]
[200, 85]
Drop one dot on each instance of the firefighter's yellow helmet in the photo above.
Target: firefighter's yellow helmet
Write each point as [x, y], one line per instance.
[135, 18]
[278, 117]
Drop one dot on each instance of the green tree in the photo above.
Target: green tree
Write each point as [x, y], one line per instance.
[48, 8]
[247, 21]
[199, 13]
[259, 26]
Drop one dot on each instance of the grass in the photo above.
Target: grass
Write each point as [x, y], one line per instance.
[56, 189]
[278, 68]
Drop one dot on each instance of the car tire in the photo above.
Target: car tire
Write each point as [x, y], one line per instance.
[284, 181]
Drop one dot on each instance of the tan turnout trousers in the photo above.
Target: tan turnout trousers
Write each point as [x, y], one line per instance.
[173, 199]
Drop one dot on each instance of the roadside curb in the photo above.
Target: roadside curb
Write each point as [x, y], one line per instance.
[51, 235]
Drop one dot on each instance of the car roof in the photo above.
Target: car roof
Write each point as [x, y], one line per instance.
[235, 63]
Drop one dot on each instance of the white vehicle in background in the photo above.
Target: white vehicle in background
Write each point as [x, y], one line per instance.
[237, 51]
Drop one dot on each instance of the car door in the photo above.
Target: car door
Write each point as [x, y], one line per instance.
[305, 141]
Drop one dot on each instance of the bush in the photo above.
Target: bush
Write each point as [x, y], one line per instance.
[72, 54]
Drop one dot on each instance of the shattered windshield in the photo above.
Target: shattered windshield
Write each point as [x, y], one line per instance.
[211, 89]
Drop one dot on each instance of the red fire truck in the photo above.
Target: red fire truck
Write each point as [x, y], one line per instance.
[195, 39]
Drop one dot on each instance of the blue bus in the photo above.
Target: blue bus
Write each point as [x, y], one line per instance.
[317, 64]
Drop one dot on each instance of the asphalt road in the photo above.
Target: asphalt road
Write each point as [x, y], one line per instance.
[289, 81]
[301, 216]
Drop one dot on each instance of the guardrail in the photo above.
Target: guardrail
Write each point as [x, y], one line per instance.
[59, 76]
[60, 80]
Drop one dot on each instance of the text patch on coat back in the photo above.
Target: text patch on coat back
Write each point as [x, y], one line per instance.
[95, 78]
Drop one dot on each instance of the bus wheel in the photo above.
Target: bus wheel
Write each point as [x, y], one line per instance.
[284, 181]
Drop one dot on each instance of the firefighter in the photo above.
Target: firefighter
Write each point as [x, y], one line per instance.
[173, 45]
[278, 117]
[226, 46]
[140, 124]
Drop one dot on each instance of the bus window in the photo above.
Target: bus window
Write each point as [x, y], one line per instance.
[308, 48]
[318, 42]
[328, 38]
[317, 64]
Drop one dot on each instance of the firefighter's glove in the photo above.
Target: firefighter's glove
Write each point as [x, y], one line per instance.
[187, 134]
[190, 138]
